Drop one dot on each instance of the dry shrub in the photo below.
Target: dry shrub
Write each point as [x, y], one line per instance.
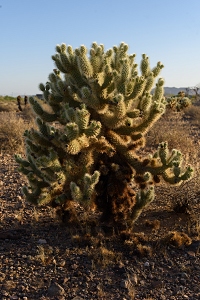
[133, 237]
[137, 243]
[177, 239]
[102, 256]
[28, 114]
[155, 224]
[12, 129]
[144, 251]
[193, 113]
[7, 106]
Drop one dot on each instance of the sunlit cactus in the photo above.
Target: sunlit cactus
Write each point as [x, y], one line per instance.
[86, 147]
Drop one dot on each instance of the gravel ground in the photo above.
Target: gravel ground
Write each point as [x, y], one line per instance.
[41, 259]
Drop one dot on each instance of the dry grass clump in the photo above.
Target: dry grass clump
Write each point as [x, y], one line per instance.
[177, 239]
[12, 129]
[144, 250]
[155, 224]
[193, 112]
[28, 114]
[102, 256]
[7, 106]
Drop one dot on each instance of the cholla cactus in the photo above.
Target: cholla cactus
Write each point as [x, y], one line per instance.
[179, 102]
[86, 146]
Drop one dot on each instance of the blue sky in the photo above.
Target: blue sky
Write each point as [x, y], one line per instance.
[166, 30]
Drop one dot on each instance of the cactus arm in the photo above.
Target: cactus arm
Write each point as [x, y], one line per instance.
[143, 199]
[85, 195]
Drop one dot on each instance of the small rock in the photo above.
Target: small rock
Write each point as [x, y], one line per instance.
[146, 264]
[77, 298]
[2, 276]
[74, 266]
[55, 290]
[135, 278]
[184, 275]
[191, 253]
[150, 276]
[142, 282]
[183, 281]
[42, 241]
[152, 266]
[124, 284]
[62, 263]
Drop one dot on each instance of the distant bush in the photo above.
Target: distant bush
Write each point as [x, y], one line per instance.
[7, 104]
[193, 112]
[6, 98]
[179, 102]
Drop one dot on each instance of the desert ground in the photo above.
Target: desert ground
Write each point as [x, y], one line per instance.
[41, 258]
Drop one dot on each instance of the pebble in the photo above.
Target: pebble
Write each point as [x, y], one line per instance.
[142, 282]
[42, 241]
[191, 253]
[146, 264]
[2, 276]
[184, 275]
[135, 279]
[62, 263]
[124, 284]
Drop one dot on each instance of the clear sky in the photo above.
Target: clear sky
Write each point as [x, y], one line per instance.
[166, 30]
